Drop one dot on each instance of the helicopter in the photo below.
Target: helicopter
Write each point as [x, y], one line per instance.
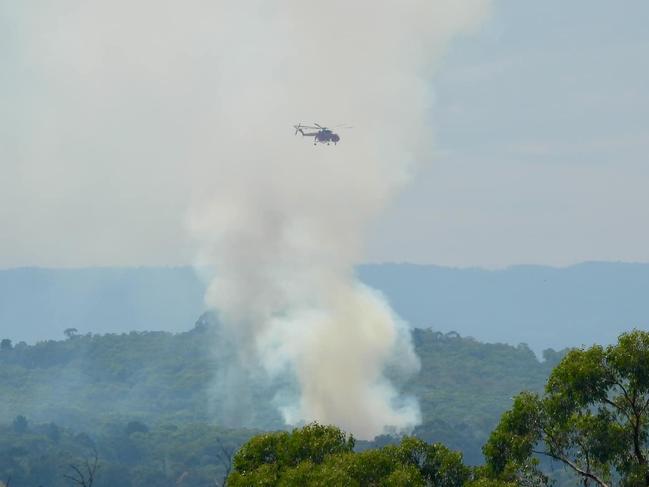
[323, 135]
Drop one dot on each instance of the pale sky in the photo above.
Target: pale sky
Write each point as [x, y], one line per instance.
[541, 130]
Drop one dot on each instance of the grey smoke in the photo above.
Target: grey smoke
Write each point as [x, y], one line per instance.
[133, 106]
[283, 222]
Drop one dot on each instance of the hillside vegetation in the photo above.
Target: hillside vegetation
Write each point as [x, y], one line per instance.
[86, 381]
[579, 415]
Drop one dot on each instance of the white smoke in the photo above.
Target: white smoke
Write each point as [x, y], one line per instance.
[283, 222]
[128, 107]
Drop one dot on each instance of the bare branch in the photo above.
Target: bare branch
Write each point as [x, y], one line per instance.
[618, 408]
[643, 409]
[225, 456]
[624, 392]
[573, 466]
[78, 477]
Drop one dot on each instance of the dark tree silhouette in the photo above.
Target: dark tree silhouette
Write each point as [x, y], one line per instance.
[70, 332]
[20, 424]
[225, 456]
[84, 475]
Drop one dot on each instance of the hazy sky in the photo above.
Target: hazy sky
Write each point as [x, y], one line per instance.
[541, 130]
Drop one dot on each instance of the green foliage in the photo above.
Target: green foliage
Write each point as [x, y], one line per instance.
[490, 482]
[142, 398]
[464, 386]
[324, 455]
[437, 464]
[517, 433]
[151, 377]
[164, 455]
[593, 418]
[275, 452]
[314, 442]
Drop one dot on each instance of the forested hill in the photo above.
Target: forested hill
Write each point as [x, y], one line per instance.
[88, 381]
[541, 306]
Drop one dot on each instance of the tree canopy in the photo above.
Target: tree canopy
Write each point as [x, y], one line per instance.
[324, 456]
[153, 377]
[593, 418]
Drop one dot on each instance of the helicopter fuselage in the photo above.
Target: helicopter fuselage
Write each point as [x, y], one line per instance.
[324, 136]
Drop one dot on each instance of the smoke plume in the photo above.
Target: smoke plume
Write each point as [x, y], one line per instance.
[126, 108]
[282, 221]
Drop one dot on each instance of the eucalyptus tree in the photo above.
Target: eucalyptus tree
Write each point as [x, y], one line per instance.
[593, 418]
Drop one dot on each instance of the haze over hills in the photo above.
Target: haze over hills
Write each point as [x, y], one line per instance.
[38, 304]
[88, 383]
[544, 307]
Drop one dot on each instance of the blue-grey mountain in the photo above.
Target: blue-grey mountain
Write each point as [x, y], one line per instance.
[541, 306]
